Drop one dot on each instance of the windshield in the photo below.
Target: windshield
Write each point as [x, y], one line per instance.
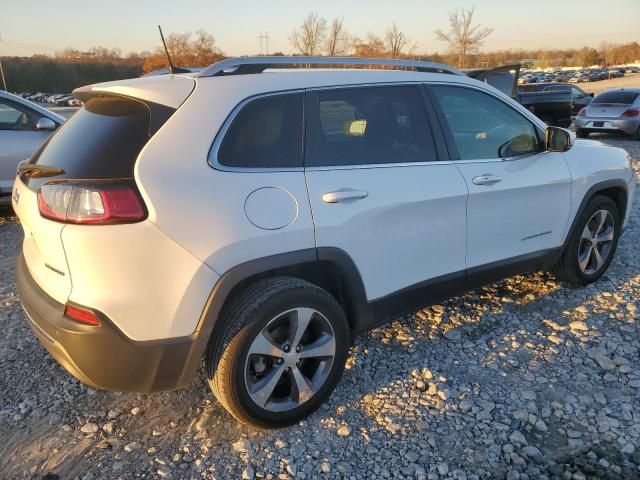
[624, 98]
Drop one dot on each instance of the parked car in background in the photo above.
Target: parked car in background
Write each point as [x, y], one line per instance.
[63, 101]
[552, 107]
[57, 99]
[529, 78]
[612, 111]
[563, 76]
[580, 77]
[579, 98]
[24, 126]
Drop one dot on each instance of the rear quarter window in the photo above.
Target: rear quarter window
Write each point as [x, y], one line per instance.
[100, 141]
[266, 133]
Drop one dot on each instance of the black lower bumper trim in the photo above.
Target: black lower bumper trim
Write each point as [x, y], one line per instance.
[103, 357]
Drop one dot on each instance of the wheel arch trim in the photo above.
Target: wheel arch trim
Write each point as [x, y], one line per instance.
[591, 192]
[231, 281]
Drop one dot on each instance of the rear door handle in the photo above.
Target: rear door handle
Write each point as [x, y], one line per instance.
[486, 179]
[344, 195]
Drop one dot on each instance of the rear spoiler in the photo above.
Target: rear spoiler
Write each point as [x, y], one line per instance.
[504, 78]
[168, 90]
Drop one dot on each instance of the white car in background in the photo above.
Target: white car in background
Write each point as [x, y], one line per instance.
[24, 126]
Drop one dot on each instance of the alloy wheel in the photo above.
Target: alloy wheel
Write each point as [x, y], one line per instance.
[595, 242]
[290, 359]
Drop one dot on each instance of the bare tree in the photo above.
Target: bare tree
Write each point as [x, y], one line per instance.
[338, 39]
[463, 37]
[396, 40]
[309, 37]
[608, 51]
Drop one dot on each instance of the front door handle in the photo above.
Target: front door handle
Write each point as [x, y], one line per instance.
[344, 195]
[486, 179]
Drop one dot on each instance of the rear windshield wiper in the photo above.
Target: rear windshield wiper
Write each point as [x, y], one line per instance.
[34, 170]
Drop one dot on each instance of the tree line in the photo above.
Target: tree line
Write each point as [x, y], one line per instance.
[315, 35]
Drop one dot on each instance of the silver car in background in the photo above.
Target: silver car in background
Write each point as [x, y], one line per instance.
[612, 111]
[24, 126]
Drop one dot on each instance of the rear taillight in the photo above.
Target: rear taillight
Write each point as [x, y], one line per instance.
[81, 315]
[91, 203]
[632, 112]
[582, 112]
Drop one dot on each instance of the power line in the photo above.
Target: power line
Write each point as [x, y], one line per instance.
[264, 37]
[4, 81]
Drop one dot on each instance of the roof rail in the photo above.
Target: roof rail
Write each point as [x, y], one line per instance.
[247, 65]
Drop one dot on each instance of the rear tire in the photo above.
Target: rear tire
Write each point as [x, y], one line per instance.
[277, 382]
[636, 136]
[592, 245]
[582, 133]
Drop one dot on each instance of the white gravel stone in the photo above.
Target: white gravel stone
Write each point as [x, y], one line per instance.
[89, 427]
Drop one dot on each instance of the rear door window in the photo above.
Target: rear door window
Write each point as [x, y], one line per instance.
[371, 125]
[266, 133]
[102, 140]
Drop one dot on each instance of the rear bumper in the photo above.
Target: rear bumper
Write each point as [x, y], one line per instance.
[628, 126]
[103, 357]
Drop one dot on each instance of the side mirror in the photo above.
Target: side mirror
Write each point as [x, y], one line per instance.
[557, 139]
[46, 124]
[591, 94]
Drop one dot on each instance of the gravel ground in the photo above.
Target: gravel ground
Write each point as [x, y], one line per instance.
[522, 379]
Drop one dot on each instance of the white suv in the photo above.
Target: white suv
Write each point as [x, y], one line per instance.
[259, 217]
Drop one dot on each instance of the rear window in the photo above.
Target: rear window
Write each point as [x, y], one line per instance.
[102, 140]
[266, 133]
[624, 98]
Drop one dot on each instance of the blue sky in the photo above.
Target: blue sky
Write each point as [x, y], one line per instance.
[31, 26]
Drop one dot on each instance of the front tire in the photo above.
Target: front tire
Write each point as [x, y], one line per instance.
[280, 352]
[592, 244]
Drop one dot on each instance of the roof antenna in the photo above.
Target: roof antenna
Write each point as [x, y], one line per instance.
[172, 69]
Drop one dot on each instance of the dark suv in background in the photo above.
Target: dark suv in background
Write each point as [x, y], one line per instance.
[579, 98]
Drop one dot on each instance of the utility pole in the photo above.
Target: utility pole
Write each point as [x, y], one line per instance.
[264, 37]
[4, 82]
